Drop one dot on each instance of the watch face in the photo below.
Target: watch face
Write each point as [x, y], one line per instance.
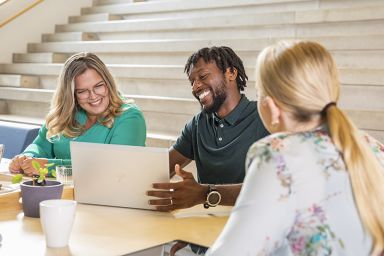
[214, 198]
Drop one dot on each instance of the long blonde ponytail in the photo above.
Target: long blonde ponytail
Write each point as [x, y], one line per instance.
[366, 174]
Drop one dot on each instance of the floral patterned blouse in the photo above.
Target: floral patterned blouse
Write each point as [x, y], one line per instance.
[296, 199]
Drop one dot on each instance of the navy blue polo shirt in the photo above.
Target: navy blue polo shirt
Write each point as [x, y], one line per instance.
[219, 146]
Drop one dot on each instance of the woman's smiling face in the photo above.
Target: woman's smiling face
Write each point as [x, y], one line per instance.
[91, 92]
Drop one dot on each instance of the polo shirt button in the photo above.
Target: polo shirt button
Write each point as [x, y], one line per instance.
[220, 139]
[221, 125]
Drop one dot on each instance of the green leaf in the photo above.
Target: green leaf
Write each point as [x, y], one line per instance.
[53, 173]
[17, 178]
[42, 173]
[36, 165]
[41, 179]
[45, 171]
[49, 165]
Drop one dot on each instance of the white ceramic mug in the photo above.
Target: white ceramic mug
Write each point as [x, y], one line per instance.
[57, 218]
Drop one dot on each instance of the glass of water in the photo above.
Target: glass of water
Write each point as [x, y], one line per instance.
[64, 174]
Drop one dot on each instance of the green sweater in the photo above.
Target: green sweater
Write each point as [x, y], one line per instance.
[128, 129]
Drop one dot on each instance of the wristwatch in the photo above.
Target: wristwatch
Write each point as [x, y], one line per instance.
[213, 197]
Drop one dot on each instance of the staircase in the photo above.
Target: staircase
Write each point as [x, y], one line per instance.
[146, 44]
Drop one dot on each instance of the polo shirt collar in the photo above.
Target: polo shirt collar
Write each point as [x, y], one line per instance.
[235, 114]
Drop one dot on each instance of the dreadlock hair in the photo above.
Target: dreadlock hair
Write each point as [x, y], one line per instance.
[225, 58]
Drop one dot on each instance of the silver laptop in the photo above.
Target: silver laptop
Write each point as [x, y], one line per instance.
[117, 175]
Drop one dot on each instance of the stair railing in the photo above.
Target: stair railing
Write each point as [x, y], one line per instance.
[18, 12]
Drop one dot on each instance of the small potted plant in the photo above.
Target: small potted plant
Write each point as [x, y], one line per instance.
[38, 189]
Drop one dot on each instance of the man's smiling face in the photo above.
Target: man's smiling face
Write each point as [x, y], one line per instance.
[208, 85]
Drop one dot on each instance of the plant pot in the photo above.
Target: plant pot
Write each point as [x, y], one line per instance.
[33, 195]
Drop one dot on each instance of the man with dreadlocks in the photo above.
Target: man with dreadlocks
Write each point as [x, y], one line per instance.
[217, 138]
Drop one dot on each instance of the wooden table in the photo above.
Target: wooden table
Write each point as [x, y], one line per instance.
[101, 230]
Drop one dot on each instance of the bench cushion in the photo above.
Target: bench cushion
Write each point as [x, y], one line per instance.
[16, 137]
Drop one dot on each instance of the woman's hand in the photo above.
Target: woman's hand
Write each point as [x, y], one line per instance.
[15, 164]
[28, 168]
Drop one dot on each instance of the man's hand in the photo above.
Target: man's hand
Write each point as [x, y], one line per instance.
[178, 195]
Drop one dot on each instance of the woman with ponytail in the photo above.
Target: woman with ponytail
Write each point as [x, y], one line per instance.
[316, 185]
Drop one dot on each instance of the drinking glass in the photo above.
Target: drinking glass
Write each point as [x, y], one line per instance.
[64, 174]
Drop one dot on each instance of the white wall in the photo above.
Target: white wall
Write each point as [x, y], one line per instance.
[29, 27]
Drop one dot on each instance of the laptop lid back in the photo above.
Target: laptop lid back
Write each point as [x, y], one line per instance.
[117, 175]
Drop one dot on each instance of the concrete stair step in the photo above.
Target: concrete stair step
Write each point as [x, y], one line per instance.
[379, 135]
[153, 139]
[359, 59]
[20, 119]
[152, 55]
[284, 31]
[303, 13]
[367, 119]
[128, 71]
[69, 37]
[27, 95]
[344, 58]
[14, 80]
[222, 7]
[43, 57]
[201, 5]
[160, 140]
[186, 47]
[353, 76]
[350, 76]
[110, 2]
[351, 95]
[254, 9]
[335, 16]
[179, 23]
[155, 109]
[154, 120]
[177, 106]
[328, 4]
[177, 111]
[225, 7]
[369, 97]
[93, 18]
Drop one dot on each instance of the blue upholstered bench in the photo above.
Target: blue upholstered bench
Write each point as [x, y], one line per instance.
[16, 137]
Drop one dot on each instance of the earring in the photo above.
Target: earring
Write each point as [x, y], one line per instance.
[275, 123]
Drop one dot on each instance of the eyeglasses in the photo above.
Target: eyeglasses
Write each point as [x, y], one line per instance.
[83, 94]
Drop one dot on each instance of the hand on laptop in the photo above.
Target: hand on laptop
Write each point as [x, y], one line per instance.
[178, 195]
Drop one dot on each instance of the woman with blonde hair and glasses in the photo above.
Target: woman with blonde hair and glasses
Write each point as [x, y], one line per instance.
[86, 107]
[316, 185]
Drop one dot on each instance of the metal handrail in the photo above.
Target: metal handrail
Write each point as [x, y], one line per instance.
[3, 2]
[20, 12]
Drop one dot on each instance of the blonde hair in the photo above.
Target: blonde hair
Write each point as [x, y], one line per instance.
[61, 117]
[302, 77]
